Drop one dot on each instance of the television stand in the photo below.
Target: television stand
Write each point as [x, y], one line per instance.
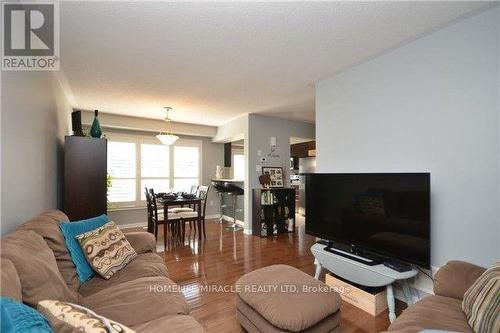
[363, 273]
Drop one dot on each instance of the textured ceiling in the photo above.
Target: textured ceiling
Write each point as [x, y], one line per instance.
[215, 61]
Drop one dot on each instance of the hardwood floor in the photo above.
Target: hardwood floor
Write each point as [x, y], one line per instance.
[224, 256]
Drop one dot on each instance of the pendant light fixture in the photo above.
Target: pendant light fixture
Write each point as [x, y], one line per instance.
[167, 138]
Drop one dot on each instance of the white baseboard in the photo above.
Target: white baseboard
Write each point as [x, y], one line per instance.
[133, 225]
[230, 219]
[213, 216]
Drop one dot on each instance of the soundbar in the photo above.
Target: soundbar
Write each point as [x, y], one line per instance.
[352, 256]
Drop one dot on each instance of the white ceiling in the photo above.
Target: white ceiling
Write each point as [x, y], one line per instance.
[215, 61]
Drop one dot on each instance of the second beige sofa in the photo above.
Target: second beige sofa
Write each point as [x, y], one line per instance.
[442, 311]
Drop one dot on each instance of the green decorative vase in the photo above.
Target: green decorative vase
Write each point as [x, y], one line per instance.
[95, 130]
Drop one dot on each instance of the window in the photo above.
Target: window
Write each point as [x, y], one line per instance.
[121, 166]
[239, 166]
[136, 162]
[154, 168]
[186, 168]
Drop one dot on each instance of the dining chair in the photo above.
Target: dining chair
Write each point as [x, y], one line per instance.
[193, 215]
[189, 208]
[171, 223]
[194, 189]
[149, 211]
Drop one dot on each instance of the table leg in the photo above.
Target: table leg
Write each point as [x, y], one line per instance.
[199, 221]
[183, 228]
[165, 234]
[391, 303]
[179, 231]
[203, 224]
[318, 269]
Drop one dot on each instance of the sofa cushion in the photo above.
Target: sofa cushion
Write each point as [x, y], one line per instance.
[138, 301]
[47, 226]
[141, 241]
[73, 229]
[17, 317]
[68, 316]
[481, 303]
[36, 266]
[145, 265]
[106, 249]
[287, 309]
[454, 278]
[175, 323]
[433, 312]
[9, 281]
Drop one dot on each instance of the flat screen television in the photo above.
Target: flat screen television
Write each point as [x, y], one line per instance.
[387, 214]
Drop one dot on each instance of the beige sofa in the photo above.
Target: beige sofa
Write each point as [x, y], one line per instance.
[442, 311]
[36, 265]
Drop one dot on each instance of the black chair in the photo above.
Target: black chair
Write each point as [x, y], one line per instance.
[193, 216]
[171, 224]
[149, 211]
[194, 189]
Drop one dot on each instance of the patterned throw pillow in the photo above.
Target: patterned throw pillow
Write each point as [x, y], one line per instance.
[106, 249]
[67, 316]
[70, 230]
[481, 302]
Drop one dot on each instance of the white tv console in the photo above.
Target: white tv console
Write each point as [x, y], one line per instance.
[362, 274]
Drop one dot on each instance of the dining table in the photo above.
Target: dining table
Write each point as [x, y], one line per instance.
[168, 202]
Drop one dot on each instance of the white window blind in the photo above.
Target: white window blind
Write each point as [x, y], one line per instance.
[154, 168]
[136, 162]
[186, 167]
[122, 168]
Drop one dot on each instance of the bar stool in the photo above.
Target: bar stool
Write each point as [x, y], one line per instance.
[235, 191]
[220, 189]
[231, 189]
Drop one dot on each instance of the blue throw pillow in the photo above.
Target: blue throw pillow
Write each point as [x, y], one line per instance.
[70, 231]
[18, 317]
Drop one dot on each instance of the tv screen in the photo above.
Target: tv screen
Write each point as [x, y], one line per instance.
[384, 213]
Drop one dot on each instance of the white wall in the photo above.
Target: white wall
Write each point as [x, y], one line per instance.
[431, 105]
[34, 121]
[233, 130]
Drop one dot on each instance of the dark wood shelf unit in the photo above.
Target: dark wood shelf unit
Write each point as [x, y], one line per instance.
[85, 170]
[276, 215]
[299, 150]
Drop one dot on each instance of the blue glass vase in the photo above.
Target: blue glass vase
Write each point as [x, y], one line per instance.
[95, 130]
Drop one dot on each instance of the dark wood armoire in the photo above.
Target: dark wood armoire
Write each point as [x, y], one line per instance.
[85, 170]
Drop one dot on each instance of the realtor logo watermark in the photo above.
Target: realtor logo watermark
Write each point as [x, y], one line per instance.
[30, 40]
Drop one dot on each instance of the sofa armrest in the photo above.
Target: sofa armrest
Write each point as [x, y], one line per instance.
[454, 278]
[141, 241]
